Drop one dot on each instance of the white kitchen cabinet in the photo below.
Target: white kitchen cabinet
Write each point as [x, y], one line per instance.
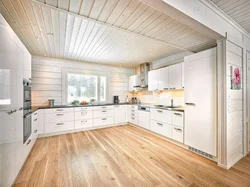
[59, 117]
[164, 78]
[161, 128]
[83, 115]
[161, 115]
[35, 125]
[120, 113]
[175, 76]
[132, 111]
[153, 80]
[178, 118]
[134, 80]
[144, 119]
[85, 123]
[103, 121]
[177, 134]
[59, 126]
[103, 113]
[200, 101]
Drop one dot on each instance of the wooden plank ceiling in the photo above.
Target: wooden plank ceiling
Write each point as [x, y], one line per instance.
[238, 10]
[116, 32]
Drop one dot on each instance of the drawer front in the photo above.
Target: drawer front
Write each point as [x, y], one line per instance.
[177, 134]
[103, 113]
[133, 107]
[59, 117]
[58, 110]
[133, 120]
[57, 127]
[80, 124]
[178, 118]
[82, 109]
[104, 107]
[83, 115]
[161, 128]
[161, 115]
[103, 121]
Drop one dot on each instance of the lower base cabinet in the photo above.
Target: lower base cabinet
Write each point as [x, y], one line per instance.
[85, 123]
[161, 128]
[58, 127]
[177, 134]
[103, 121]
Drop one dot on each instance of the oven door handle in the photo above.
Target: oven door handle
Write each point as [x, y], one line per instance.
[27, 115]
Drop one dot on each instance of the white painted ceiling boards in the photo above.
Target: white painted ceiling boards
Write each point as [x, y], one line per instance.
[116, 32]
[238, 10]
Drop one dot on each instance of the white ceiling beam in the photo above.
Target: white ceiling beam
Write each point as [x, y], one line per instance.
[109, 25]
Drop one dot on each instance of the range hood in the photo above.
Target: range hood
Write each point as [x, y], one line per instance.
[144, 69]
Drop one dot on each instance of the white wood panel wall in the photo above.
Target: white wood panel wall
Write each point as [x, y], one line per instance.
[47, 79]
[234, 57]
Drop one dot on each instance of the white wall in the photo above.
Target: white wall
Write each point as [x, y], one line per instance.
[234, 57]
[47, 79]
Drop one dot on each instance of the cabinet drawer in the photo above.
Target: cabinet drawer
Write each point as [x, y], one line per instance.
[83, 123]
[58, 110]
[103, 107]
[161, 115]
[161, 128]
[103, 121]
[177, 134]
[80, 109]
[178, 118]
[83, 115]
[133, 120]
[57, 127]
[103, 113]
[58, 117]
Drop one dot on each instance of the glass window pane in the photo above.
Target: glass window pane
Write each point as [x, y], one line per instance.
[103, 88]
[82, 87]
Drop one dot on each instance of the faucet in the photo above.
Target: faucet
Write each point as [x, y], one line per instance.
[172, 102]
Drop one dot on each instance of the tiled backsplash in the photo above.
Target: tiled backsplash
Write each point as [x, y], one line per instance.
[163, 98]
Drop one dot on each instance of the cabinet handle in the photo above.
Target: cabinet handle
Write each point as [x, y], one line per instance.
[83, 108]
[104, 118]
[35, 131]
[177, 129]
[177, 114]
[159, 111]
[160, 124]
[59, 124]
[132, 118]
[84, 121]
[59, 110]
[59, 114]
[104, 107]
[83, 113]
[28, 142]
[104, 111]
[35, 114]
[20, 108]
[174, 88]
[35, 119]
[190, 104]
[165, 88]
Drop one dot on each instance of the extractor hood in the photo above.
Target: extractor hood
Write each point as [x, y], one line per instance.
[144, 69]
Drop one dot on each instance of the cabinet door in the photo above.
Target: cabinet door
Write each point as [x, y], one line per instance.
[144, 120]
[153, 80]
[175, 77]
[133, 81]
[120, 114]
[163, 79]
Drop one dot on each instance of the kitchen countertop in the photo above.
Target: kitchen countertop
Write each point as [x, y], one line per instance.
[35, 108]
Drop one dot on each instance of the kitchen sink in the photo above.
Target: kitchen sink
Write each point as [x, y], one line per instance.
[162, 106]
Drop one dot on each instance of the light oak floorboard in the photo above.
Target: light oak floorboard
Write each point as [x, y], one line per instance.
[122, 156]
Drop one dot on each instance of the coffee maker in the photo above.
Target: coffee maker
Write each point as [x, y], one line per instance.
[116, 99]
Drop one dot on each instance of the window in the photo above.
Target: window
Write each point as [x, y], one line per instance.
[83, 87]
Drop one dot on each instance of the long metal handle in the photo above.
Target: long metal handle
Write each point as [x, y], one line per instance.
[84, 121]
[35, 114]
[60, 114]
[27, 115]
[59, 124]
[35, 119]
[104, 118]
[35, 131]
[177, 129]
[28, 142]
[177, 114]
[84, 113]
[104, 107]
[159, 111]
[160, 124]
[190, 104]
[59, 110]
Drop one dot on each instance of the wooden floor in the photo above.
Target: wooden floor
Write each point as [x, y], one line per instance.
[122, 156]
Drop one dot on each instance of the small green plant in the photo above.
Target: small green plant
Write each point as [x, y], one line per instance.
[75, 102]
[92, 100]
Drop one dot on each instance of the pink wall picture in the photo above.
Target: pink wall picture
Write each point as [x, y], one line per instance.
[235, 78]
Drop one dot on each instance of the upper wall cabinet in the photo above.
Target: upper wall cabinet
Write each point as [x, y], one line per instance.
[134, 80]
[167, 78]
[175, 76]
[153, 80]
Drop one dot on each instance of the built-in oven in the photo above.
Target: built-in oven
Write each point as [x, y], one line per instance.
[27, 126]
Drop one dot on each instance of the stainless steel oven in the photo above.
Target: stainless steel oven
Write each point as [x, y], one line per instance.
[27, 126]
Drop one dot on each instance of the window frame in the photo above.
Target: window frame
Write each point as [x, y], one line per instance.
[65, 73]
